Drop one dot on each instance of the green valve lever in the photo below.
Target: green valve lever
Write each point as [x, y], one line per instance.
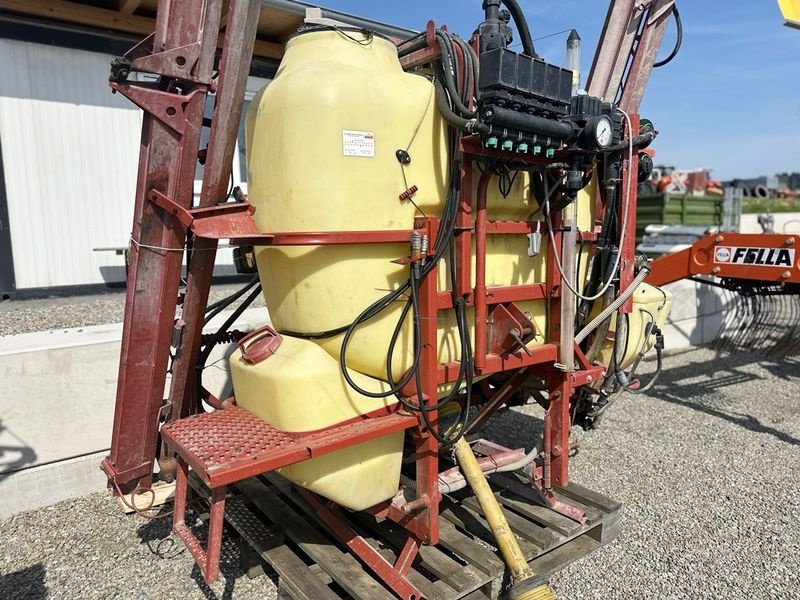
[522, 148]
[537, 150]
[491, 142]
[551, 152]
[508, 145]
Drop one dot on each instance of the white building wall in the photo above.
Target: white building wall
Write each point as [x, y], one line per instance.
[70, 152]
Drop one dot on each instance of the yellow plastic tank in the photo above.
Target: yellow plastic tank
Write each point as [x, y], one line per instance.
[321, 143]
[650, 304]
[299, 388]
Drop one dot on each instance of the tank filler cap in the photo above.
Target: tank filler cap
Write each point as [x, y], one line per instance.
[260, 344]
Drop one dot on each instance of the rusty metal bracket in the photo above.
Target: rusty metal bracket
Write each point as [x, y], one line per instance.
[164, 106]
[215, 222]
[178, 63]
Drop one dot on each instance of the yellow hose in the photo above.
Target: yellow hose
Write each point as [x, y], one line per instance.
[526, 584]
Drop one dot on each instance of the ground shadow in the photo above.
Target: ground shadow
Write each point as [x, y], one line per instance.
[157, 535]
[680, 385]
[13, 458]
[28, 583]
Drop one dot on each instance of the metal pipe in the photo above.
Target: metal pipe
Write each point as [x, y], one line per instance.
[526, 584]
[583, 333]
[566, 352]
[505, 117]
[574, 59]
[480, 272]
[547, 448]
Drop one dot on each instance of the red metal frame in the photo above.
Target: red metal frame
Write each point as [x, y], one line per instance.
[165, 219]
[718, 255]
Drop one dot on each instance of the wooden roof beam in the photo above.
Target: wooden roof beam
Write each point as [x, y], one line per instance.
[128, 7]
[81, 14]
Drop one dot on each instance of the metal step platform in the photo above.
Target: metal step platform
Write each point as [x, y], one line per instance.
[284, 531]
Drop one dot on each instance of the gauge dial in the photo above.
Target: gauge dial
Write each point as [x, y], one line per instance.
[603, 132]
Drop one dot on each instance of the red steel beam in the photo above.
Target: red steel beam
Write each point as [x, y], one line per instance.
[170, 137]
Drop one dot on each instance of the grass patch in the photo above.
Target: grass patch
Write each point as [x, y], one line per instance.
[758, 206]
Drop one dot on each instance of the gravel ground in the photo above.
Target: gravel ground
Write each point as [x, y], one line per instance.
[47, 314]
[704, 464]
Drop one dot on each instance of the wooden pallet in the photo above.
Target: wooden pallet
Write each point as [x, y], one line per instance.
[279, 528]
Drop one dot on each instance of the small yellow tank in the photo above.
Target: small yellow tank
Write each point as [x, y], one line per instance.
[299, 388]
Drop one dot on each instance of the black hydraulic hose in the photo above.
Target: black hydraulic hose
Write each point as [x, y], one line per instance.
[412, 44]
[212, 310]
[678, 39]
[522, 27]
[448, 70]
[372, 310]
[640, 141]
[512, 119]
[206, 352]
[452, 118]
[473, 61]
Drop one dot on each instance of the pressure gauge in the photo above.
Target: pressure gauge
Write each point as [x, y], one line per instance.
[603, 131]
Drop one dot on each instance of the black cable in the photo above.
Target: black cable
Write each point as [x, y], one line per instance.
[457, 93]
[212, 310]
[522, 27]
[206, 352]
[448, 72]
[678, 39]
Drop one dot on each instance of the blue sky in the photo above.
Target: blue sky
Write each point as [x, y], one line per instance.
[730, 101]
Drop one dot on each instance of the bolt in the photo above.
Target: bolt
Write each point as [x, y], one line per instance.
[719, 239]
[589, 379]
[789, 241]
[785, 275]
[715, 270]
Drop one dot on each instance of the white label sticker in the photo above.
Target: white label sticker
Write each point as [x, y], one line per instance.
[358, 143]
[766, 257]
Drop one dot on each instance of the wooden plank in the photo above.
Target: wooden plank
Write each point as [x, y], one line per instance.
[72, 12]
[294, 575]
[521, 526]
[82, 14]
[473, 552]
[299, 579]
[461, 578]
[128, 7]
[590, 497]
[162, 493]
[553, 521]
[593, 515]
[454, 577]
[474, 523]
[342, 567]
[422, 583]
[534, 510]
[560, 557]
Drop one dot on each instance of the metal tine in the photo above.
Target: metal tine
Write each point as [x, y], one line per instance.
[789, 344]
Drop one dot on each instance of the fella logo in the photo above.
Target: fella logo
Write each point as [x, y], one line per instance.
[766, 257]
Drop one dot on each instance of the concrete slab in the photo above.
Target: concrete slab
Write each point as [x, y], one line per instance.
[45, 485]
[784, 223]
[59, 390]
[57, 403]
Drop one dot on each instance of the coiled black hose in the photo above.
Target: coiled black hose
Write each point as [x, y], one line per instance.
[678, 39]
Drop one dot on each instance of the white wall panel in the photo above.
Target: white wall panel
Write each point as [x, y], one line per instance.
[70, 152]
